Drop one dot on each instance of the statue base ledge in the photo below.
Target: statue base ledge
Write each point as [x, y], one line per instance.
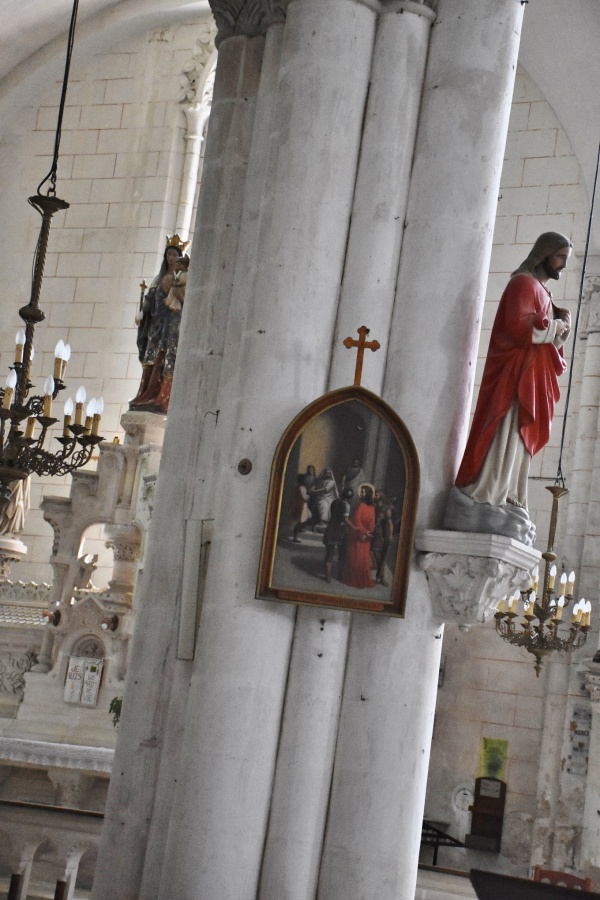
[469, 573]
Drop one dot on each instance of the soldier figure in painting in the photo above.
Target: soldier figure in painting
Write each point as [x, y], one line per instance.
[516, 400]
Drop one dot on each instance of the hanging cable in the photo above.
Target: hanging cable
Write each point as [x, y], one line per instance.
[559, 473]
[51, 176]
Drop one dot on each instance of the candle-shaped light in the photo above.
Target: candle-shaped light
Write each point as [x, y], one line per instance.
[570, 584]
[65, 359]
[502, 606]
[531, 607]
[68, 414]
[29, 430]
[97, 415]
[20, 342]
[535, 577]
[563, 585]
[585, 619]
[48, 391]
[31, 358]
[552, 577]
[11, 383]
[58, 355]
[559, 610]
[80, 400]
[89, 414]
[578, 612]
[513, 603]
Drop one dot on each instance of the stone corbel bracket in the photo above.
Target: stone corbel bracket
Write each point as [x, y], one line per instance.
[468, 574]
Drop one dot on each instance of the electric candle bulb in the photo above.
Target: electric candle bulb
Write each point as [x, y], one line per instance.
[578, 611]
[11, 383]
[502, 605]
[535, 577]
[89, 413]
[559, 611]
[58, 354]
[532, 599]
[29, 430]
[68, 414]
[585, 619]
[552, 578]
[97, 415]
[65, 359]
[563, 585]
[80, 400]
[48, 391]
[20, 341]
[570, 583]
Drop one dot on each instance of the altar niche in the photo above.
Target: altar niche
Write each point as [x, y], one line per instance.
[342, 504]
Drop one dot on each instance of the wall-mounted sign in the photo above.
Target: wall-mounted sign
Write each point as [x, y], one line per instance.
[83, 681]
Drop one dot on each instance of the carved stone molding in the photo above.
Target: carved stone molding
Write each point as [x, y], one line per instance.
[64, 756]
[468, 574]
[12, 673]
[592, 684]
[246, 17]
[192, 79]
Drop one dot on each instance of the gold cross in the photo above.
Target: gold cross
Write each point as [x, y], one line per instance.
[362, 344]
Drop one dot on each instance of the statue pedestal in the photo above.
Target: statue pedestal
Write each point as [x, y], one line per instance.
[12, 550]
[468, 574]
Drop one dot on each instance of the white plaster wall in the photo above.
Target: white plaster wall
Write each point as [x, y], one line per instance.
[120, 169]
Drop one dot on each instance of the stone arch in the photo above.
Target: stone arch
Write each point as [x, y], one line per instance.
[89, 646]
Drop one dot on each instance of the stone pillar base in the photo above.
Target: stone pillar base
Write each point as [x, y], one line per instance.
[468, 574]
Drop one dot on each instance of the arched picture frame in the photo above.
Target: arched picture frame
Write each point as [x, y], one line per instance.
[323, 546]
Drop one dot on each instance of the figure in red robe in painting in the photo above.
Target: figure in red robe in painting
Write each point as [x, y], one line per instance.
[361, 525]
[517, 397]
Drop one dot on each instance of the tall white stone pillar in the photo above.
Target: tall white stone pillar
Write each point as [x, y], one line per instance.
[277, 360]
[140, 794]
[378, 790]
[305, 758]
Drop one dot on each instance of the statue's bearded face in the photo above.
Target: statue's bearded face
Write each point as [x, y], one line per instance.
[554, 264]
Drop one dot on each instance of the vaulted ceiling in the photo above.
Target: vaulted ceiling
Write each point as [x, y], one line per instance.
[560, 49]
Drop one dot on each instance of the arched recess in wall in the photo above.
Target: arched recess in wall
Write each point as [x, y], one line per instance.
[85, 871]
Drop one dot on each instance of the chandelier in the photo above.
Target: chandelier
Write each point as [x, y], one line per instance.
[543, 611]
[24, 419]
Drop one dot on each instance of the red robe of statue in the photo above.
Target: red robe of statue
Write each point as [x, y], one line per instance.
[357, 568]
[515, 369]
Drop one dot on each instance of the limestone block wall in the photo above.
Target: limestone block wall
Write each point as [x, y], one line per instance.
[121, 165]
[490, 689]
[541, 190]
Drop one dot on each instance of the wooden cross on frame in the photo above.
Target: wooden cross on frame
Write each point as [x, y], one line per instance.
[362, 344]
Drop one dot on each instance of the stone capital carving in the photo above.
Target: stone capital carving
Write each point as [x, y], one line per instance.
[246, 17]
[469, 574]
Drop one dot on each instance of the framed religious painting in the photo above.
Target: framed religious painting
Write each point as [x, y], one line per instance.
[341, 511]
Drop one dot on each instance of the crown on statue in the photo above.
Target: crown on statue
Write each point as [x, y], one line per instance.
[175, 241]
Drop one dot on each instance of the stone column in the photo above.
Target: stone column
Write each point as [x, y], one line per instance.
[141, 789]
[378, 791]
[306, 752]
[277, 360]
[196, 117]
[590, 839]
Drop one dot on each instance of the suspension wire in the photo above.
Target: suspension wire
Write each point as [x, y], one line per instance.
[559, 473]
[51, 176]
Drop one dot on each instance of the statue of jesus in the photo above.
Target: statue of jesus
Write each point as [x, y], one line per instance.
[516, 399]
